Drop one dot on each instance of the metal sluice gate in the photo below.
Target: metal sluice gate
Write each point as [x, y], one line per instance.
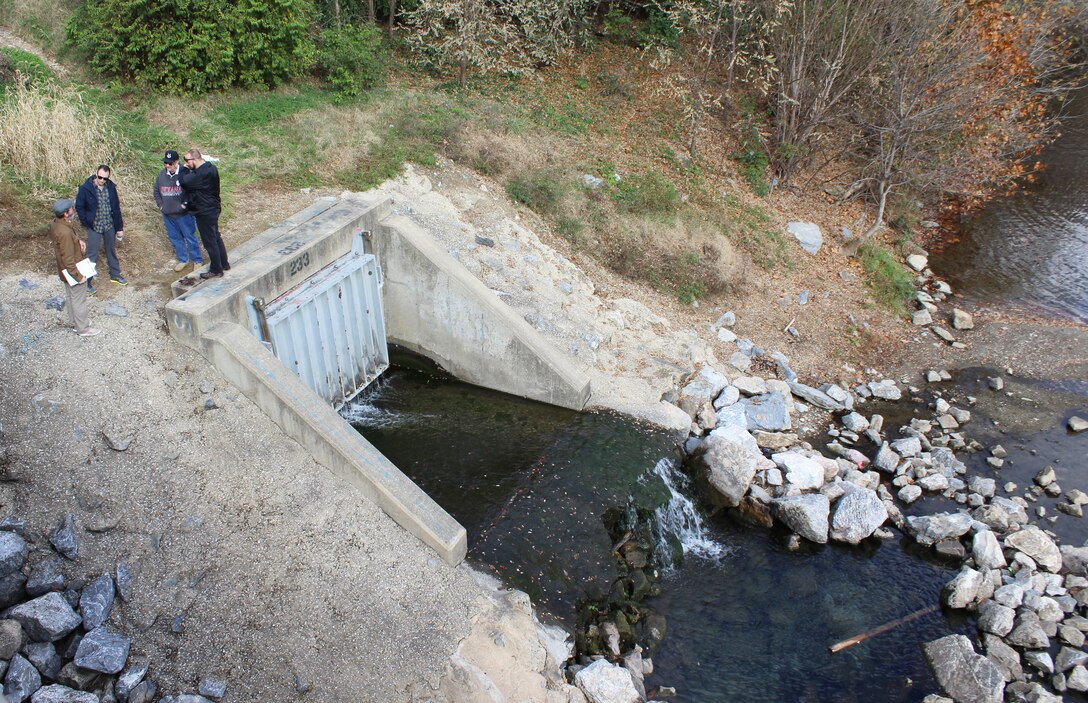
[329, 329]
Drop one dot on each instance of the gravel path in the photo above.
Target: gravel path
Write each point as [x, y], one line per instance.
[269, 568]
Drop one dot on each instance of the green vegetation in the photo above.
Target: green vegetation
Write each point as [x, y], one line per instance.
[353, 59]
[15, 64]
[891, 282]
[541, 191]
[195, 47]
[647, 194]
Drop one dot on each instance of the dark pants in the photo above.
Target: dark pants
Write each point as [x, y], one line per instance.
[208, 224]
[96, 241]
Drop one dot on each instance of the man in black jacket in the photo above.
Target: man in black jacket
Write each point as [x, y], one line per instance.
[200, 181]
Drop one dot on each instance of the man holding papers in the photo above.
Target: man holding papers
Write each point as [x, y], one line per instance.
[74, 269]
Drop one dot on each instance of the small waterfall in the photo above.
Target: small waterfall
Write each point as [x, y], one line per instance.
[680, 518]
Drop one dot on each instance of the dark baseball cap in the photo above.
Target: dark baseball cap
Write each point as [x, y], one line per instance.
[170, 157]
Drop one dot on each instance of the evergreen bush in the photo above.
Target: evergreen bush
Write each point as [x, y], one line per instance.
[195, 46]
[353, 59]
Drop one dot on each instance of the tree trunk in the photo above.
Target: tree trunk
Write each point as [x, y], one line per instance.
[336, 12]
[370, 15]
[392, 14]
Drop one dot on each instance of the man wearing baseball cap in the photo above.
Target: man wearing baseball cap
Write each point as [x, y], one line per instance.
[172, 202]
[69, 250]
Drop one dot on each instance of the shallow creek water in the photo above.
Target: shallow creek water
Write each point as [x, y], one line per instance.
[747, 619]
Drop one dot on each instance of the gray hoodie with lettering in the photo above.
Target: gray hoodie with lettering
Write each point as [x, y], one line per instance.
[169, 195]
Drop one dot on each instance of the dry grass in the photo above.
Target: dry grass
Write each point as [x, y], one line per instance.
[51, 139]
[40, 22]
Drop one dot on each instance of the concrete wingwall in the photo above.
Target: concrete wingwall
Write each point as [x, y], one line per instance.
[436, 307]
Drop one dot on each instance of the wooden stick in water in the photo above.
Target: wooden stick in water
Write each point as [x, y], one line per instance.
[835, 648]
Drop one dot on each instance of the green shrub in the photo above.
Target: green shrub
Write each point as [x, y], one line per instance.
[15, 62]
[891, 282]
[195, 46]
[540, 191]
[353, 59]
[649, 194]
[659, 29]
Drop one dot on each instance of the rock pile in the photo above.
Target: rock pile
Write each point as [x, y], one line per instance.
[1030, 595]
[58, 643]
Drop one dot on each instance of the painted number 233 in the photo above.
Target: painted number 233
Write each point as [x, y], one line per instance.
[299, 263]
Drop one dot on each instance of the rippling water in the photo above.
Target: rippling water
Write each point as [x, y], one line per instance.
[748, 620]
[1032, 248]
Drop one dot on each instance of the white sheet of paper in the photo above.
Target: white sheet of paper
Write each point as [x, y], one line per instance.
[86, 267]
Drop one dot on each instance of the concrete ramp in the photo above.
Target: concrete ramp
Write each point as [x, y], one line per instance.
[433, 306]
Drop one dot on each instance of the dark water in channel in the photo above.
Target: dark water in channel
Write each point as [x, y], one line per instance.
[1031, 248]
[747, 619]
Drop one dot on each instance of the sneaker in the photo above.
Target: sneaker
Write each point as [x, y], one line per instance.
[91, 291]
[90, 332]
[180, 266]
[119, 280]
[208, 274]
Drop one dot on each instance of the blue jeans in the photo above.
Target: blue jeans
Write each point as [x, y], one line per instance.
[182, 232]
[108, 241]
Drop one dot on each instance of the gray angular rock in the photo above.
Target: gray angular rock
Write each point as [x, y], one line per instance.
[701, 389]
[190, 698]
[1077, 424]
[1078, 679]
[815, 397]
[11, 638]
[13, 553]
[131, 677]
[750, 385]
[96, 601]
[996, 618]
[1028, 632]
[44, 657]
[964, 675]
[62, 694]
[102, 650]
[962, 320]
[963, 590]
[807, 234]
[1038, 545]
[909, 493]
[807, 515]
[1004, 657]
[857, 515]
[907, 446]
[992, 516]
[1068, 658]
[144, 692]
[46, 618]
[1040, 661]
[47, 575]
[126, 575]
[855, 422]
[12, 589]
[1074, 560]
[885, 389]
[801, 471]
[886, 460]
[931, 529]
[1014, 510]
[64, 539]
[730, 463]
[767, 412]
[602, 682]
[921, 318]
[213, 687]
[986, 550]
[21, 680]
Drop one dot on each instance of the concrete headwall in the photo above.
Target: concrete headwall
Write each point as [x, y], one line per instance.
[436, 307]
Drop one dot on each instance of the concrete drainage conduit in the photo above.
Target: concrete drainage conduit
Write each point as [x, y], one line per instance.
[433, 305]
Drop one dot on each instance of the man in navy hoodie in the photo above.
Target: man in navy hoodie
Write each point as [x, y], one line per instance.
[99, 211]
